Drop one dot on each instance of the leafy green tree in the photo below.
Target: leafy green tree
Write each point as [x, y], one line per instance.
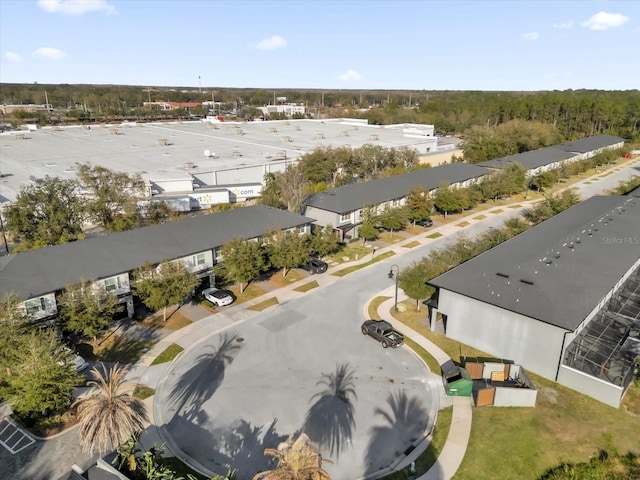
[419, 204]
[244, 260]
[544, 180]
[40, 374]
[367, 231]
[271, 192]
[47, 212]
[393, 219]
[167, 284]
[551, 205]
[603, 466]
[87, 309]
[288, 250]
[450, 200]
[112, 196]
[413, 280]
[324, 241]
[157, 212]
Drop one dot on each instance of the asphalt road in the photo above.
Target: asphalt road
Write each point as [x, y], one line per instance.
[250, 387]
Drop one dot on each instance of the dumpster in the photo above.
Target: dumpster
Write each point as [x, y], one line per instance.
[457, 381]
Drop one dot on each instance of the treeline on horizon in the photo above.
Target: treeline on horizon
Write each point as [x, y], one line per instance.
[572, 113]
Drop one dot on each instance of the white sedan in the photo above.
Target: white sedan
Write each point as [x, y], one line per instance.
[218, 297]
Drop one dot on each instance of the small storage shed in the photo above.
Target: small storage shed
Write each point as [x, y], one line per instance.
[457, 381]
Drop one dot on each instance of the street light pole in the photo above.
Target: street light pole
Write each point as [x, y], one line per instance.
[395, 274]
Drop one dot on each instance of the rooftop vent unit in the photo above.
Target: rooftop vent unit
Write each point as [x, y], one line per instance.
[527, 282]
[556, 254]
[503, 275]
[162, 142]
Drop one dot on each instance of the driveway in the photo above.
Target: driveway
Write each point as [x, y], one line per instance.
[237, 392]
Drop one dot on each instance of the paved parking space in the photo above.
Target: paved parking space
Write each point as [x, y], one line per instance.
[12, 437]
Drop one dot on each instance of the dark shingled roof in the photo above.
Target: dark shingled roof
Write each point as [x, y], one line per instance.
[353, 197]
[531, 159]
[558, 271]
[590, 143]
[50, 269]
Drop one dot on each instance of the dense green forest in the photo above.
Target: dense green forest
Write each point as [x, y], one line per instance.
[571, 113]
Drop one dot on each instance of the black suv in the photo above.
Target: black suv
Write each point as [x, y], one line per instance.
[426, 223]
[315, 265]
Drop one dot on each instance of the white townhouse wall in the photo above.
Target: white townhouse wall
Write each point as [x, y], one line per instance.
[117, 284]
[198, 263]
[41, 307]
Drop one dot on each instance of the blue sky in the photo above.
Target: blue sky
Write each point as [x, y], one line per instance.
[430, 45]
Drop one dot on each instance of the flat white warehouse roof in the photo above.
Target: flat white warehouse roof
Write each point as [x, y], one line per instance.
[163, 151]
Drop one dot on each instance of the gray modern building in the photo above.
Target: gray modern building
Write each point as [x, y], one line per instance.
[37, 276]
[342, 207]
[562, 299]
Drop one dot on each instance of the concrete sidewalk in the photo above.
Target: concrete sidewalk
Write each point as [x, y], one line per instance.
[455, 447]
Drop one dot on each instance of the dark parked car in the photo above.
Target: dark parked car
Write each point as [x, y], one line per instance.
[315, 265]
[383, 332]
[426, 223]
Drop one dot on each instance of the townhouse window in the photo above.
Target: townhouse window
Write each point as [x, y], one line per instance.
[345, 217]
[111, 284]
[198, 259]
[34, 306]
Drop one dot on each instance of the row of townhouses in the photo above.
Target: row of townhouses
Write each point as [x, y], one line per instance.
[37, 276]
[342, 207]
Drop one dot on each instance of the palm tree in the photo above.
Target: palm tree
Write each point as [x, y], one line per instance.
[109, 415]
[297, 460]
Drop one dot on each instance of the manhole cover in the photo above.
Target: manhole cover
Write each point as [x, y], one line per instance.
[239, 339]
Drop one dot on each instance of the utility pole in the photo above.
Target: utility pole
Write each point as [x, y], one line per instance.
[199, 84]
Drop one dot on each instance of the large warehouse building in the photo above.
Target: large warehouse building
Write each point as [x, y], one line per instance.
[197, 163]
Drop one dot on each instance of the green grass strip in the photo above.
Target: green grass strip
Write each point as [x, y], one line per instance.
[168, 354]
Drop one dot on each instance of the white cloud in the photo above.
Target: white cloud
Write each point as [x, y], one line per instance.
[76, 7]
[271, 43]
[48, 53]
[605, 21]
[563, 26]
[350, 75]
[530, 36]
[12, 57]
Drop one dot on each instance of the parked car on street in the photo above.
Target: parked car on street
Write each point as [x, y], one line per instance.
[426, 223]
[315, 265]
[217, 296]
[383, 332]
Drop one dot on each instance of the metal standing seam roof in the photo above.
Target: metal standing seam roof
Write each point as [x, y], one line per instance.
[531, 159]
[353, 197]
[50, 269]
[558, 271]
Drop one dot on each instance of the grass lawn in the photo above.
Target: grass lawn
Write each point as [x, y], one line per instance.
[565, 426]
[307, 286]
[373, 307]
[391, 237]
[114, 348]
[250, 292]
[497, 210]
[462, 224]
[434, 235]
[258, 307]
[293, 275]
[354, 268]
[142, 392]
[168, 354]
[175, 320]
[480, 217]
[515, 206]
[411, 244]
[351, 252]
